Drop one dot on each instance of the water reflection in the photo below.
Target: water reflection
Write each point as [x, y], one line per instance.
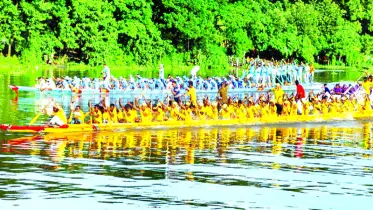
[179, 146]
[192, 167]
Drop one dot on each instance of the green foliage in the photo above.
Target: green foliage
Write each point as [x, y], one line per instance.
[185, 32]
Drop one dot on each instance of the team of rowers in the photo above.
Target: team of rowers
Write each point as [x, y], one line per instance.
[259, 74]
[269, 105]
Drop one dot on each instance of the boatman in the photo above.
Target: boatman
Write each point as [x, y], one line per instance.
[279, 95]
[59, 117]
[300, 90]
[161, 72]
[106, 75]
[223, 93]
[192, 94]
[176, 91]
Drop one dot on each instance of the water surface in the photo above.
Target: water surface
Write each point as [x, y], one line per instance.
[305, 166]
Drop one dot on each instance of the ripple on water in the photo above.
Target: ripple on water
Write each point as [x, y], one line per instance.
[264, 168]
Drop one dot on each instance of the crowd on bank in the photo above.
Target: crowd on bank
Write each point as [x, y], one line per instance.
[259, 74]
[186, 107]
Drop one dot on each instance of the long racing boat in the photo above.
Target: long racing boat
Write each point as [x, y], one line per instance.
[139, 92]
[281, 120]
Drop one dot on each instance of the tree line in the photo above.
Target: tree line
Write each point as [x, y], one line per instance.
[202, 32]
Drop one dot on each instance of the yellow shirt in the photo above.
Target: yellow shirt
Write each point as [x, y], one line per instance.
[367, 106]
[120, 116]
[106, 117]
[61, 114]
[316, 108]
[272, 111]
[146, 115]
[264, 111]
[366, 87]
[324, 108]
[241, 112]
[306, 108]
[174, 113]
[97, 117]
[160, 116]
[114, 115]
[193, 96]
[214, 113]
[250, 112]
[81, 118]
[294, 109]
[279, 94]
[225, 114]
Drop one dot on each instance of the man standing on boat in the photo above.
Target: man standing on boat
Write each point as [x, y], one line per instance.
[192, 94]
[279, 95]
[300, 90]
[223, 93]
[161, 72]
[300, 95]
[175, 90]
[106, 75]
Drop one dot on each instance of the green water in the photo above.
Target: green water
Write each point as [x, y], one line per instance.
[305, 166]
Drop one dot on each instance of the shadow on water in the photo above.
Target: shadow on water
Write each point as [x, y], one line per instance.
[159, 167]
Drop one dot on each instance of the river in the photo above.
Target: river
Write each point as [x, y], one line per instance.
[299, 166]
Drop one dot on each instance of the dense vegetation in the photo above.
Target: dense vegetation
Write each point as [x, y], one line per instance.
[204, 32]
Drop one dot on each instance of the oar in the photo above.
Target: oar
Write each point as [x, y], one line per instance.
[348, 89]
[38, 115]
[90, 110]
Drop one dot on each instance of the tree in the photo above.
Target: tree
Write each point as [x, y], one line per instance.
[11, 25]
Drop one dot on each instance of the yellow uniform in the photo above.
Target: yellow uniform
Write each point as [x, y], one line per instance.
[306, 108]
[366, 85]
[174, 113]
[279, 94]
[193, 96]
[161, 115]
[225, 114]
[324, 108]
[146, 115]
[61, 114]
[114, 115]
[240, 112]
[272, 111]
[97, 117]
[106, 117]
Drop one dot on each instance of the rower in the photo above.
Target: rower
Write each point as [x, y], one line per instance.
[192, 94]
[96, 113]
[75, 118]
[75, 110]
[59, 117]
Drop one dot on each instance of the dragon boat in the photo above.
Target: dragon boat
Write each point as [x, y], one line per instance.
[155, 92]
[281, 120]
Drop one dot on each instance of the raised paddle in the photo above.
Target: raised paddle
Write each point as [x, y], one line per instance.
[38, 115]
[348, 89]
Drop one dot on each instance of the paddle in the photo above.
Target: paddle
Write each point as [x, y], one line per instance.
[38, 115]
[348, 89]
[90, 111]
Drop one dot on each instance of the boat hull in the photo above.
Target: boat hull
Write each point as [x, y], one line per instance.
[283, 120]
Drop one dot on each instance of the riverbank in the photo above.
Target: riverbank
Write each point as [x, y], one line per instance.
[16, 67]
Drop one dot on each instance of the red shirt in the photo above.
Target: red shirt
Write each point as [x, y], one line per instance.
[300, 91]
